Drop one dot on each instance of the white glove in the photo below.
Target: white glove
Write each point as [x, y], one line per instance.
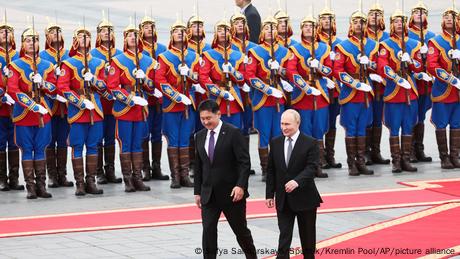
[37, 78]
[273, 64]
[9, 100]
[156, 65]
[88, 76]
[157, 93]
[286, 86]
[139, 74]
[276, 93]
[107, 67]
[364, 60]
[457, 83]
[6, 71]
[332, 55]
[314, 63]
[199, 89]
[57, 71]
[227, 68]
[61, 99]
[404, 83]
[201, 61]
[185, 100]
[88, 104]
[229, 96]
[424, 49]
[456, 54]
[313, 91]
[184, 69]
[406, 58]
[42, 110]
[246, 59]
[426, 77]
[376, 78]
[138, 100]
[246, 88]
[365, 87]
[330, 83]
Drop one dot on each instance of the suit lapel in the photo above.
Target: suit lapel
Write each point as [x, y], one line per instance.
[297, 146]
[283, 153]
[201, 142]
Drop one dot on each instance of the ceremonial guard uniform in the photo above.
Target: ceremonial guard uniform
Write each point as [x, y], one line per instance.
[8, 180]
[129, 80]
[29, 78]
[221, 77]
[327, 34]
[355, 59]
[417, 21]
[400, 66]
[152, 48]
[311, 101]
[82, 83]
[177, 71]
[262, 73]
[442, 62]
[376, 31]
[105, 50]
[56, 152]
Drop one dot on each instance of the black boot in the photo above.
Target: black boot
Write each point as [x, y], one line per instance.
[100, 175]
[137, 159]
[40, 179]
[90, 178]
[146, 169]
[173, 158]
[156, 162]
[13, 167]
[79, 176]
[406, 146]
[28, 171]
[127, 171]
[62, 167]
[109, 167]
[3, 176]
[51, 167]
[395, 150]
[329, 149]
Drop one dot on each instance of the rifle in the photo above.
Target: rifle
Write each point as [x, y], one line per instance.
[183, 78]
[455, 70]
[153, 54]
[246, 99]
[376, 31]
[137, 88]
[58, 63]
[404, 66]
[273, 76]
[36, 92]
[422, 41]
[313, 72]
[87, 85]
[331, 91]
[363, 68]
[228, 82]
[109, 54]
[286, 36]
[7, 61]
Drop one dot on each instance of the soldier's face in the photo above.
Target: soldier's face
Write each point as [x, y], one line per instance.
[268, 31]
[210, 120]
[81, 39]
[177, 35]
[3, 35]
[131, 39]
[416, 16]
[371, 17]
[53, 35]
[105, 34]
[448, 21]
[282, 26]
[148, 29]
[197, 29]
[357, 28]
[307, 30]
[29, 45]
[398, 24]
[221, 33]
[239, 26]
[325, 22]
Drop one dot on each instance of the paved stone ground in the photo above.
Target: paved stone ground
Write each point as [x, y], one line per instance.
[181, 241]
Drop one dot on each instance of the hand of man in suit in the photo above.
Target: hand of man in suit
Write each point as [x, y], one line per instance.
[291, 186]
[237, 193]
[198, 201]
[270, 203]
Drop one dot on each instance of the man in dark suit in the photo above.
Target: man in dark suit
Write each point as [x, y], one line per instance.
[221, 179]
[293, 161]
[253, 18]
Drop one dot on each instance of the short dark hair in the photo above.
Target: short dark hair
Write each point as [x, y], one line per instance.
[208, 105]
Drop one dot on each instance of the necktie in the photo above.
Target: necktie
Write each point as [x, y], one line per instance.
[211, 146]
[289, 151]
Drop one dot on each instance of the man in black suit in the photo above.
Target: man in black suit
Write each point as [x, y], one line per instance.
[293, 161]
[221, 179]
[253, 18]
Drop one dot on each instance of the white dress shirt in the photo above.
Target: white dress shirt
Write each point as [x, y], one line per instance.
[216, 135]
[286, 144]
[244, 8]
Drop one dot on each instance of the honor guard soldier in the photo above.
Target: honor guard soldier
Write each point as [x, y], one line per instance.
[82, 83]
[443, 63]
[263, 73]
[56, 152]
[148, 37]
[284, 29]
[326, 33]
[376, 31]
[418, 30]
[8, 53]
[354, 66]
[29, 78]
[399, 63]
[177, 72]
[129, 80]
[221, 77]
[311, 99]
[105, 50]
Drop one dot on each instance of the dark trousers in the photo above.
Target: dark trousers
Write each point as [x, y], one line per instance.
[306, 221]
[236, 217]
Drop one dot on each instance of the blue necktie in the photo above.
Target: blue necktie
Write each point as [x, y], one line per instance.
[211, 146]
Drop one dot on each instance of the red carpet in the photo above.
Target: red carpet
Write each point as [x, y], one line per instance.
[446, 186]
[431, 233]
[188, 213]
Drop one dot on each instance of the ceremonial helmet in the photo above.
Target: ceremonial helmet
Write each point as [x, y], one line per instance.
[420, 6]
[281, 16]
[398, 13]
[52, 26]
[452, 10]
[131, 28]
[310, 18]
[75, 42]
[105, 23]
[147, 20]
[327, 12]
[269, 21]
[221, 23]
[358, 14]
[28, 33]
[9, 27]
[178, 25]
[192, 20]
[376, 7]
[236, 17]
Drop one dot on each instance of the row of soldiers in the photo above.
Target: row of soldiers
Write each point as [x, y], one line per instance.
[85, 98]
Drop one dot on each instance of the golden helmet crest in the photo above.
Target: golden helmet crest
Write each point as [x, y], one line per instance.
[5, 25]
[51, 25]
[270, 20]
[194, 19]
[29, 32]
[104, 23]
[81, 29]
[280, 15]
[398, 13]
[237, 16]
[222, 23]
[420, 6]
[307, 19]
[358, 15]
[147, 20]
[451, 10]
[376, 7]
[130, 28]
[327, 11]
